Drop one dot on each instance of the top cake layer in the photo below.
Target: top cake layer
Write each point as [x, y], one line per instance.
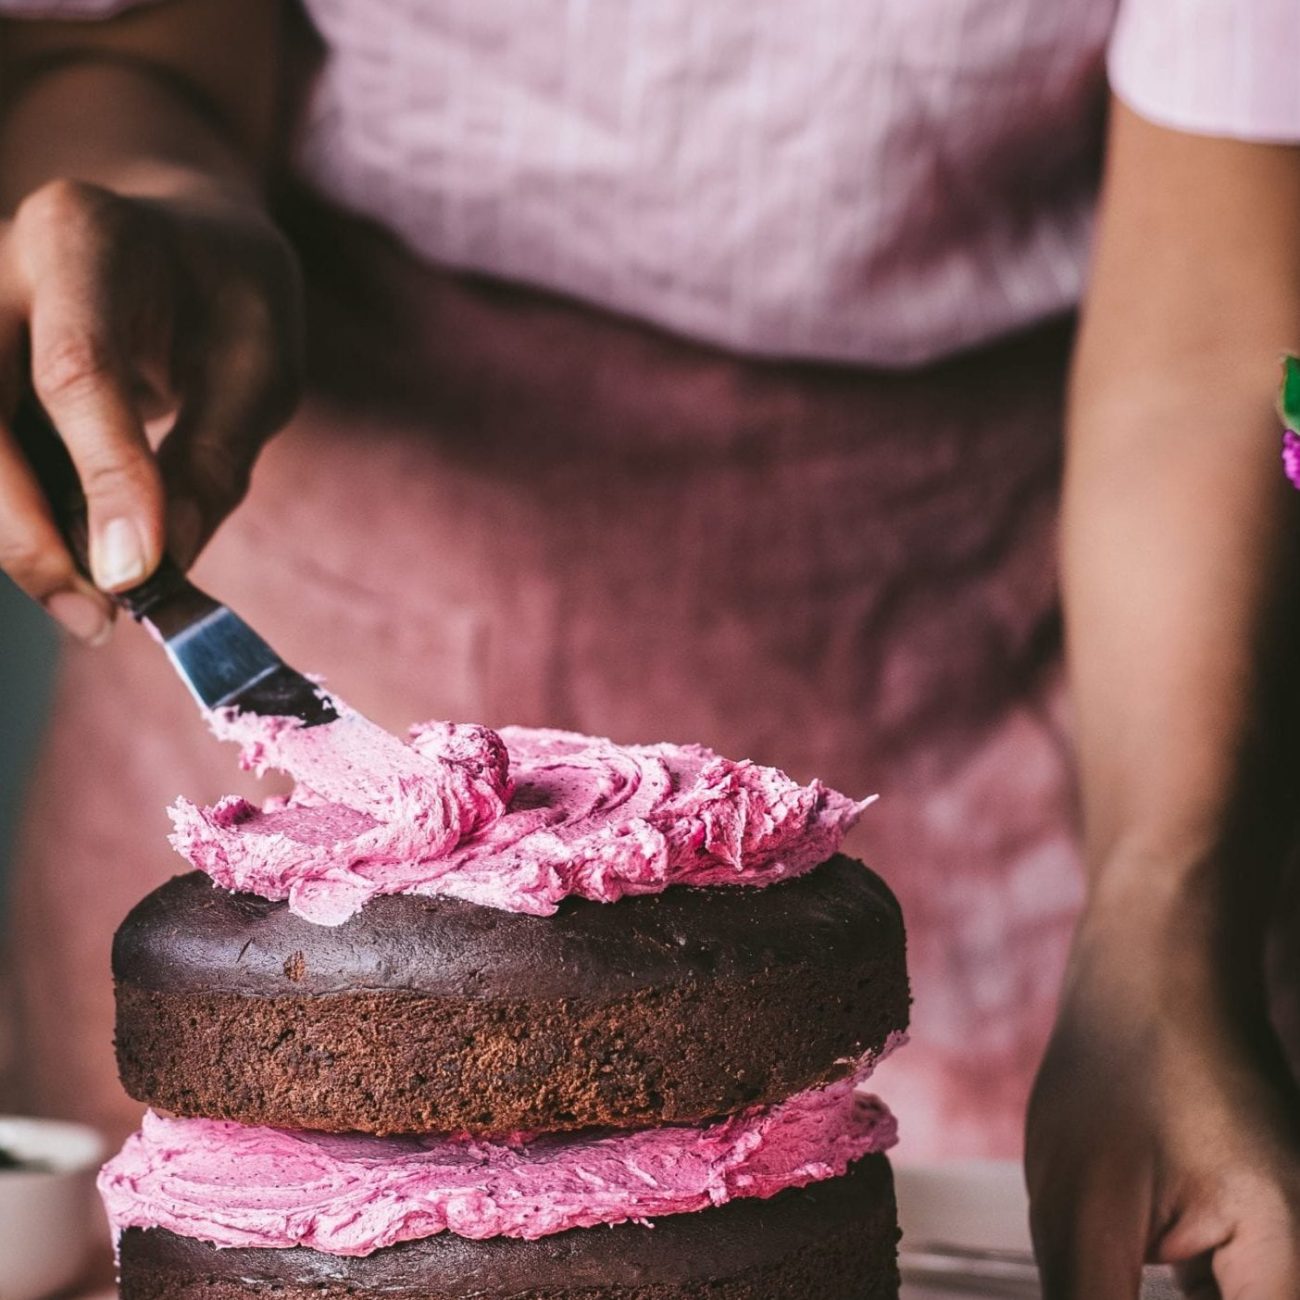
[517, 820]
[432, 1014]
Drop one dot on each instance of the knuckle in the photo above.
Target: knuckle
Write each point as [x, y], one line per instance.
[68, 206]
[65, 366]
[116, 474]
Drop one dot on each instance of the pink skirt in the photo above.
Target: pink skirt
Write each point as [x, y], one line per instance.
[499, 507]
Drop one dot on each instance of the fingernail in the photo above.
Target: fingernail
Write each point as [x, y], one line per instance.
[82, 615]
[118, 555]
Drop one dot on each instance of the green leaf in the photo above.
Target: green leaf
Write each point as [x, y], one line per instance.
[1289, 401]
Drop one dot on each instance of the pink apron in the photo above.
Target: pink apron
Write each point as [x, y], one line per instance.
[496, 506]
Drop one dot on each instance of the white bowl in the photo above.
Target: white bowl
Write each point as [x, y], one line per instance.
[48, 1216]
[976, 1204]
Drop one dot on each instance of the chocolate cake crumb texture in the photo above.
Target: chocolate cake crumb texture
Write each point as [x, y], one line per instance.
[434, 1015]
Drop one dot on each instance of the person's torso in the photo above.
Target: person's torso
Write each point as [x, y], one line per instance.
[878, 181]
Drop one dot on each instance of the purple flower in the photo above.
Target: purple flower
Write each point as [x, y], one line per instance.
[1291, 456]
[1288, 407]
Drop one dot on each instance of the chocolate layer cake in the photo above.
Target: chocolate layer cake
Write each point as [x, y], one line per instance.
[435, 1015]
[833, 1240]
[527, 1016]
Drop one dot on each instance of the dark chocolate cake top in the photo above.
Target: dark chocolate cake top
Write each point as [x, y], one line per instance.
[192, 935]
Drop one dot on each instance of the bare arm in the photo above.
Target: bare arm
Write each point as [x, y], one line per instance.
[1180, 530]
[140, 281]
[184, 87]
[1164, 1123]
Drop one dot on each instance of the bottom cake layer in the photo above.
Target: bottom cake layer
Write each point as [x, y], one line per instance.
[834, 1240]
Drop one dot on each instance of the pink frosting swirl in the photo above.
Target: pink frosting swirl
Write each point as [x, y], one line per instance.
[449, 813]
[238, 1186]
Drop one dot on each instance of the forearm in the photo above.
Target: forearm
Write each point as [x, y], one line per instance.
[1179, 530]
[149, 104]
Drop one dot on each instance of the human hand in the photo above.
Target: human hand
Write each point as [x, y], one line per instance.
[133, 318]
[1164, 1127]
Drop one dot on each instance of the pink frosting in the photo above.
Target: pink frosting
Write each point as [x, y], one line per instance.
[447, 813]
[238, 1186]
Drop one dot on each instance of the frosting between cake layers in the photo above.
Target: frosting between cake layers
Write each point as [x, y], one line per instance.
[254, 1187]
[517, 820]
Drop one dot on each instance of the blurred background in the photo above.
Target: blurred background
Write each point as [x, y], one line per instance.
[28, 646]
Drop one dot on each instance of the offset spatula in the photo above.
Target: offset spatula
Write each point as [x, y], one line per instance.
[219, 657]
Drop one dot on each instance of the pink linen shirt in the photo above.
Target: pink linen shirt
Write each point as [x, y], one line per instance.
[879, 182]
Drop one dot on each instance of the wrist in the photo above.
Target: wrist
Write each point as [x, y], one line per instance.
[1213, 871]
[1188, 929]
[124, 124]
[1156, 891]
